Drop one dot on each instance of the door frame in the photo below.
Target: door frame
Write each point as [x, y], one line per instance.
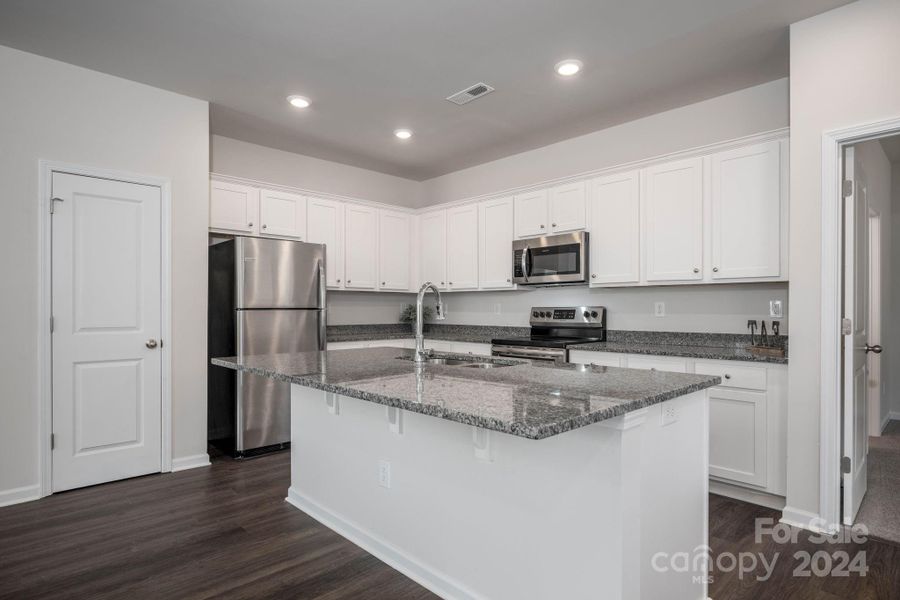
[46, 169]
[873, 410]
[832, 286]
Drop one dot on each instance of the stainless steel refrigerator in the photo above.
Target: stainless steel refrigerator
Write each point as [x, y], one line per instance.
[265, 296]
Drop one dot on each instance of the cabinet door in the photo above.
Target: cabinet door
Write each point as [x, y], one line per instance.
[615, 229]
[656, 363]
[326, 226]
[568, 205]
[737, 435]
[394, 249]
[360, 266]
[462, 248]
[233, 207]
[531, 214]
[672, 198]
[282, 214]
[433, 248]
[746, 212]
[495, 243]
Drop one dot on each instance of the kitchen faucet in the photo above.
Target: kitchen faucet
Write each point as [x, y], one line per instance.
[439, 314]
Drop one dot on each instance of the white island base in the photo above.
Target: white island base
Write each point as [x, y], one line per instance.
[471, 513]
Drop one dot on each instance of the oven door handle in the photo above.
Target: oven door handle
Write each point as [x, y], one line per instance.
[529, 353]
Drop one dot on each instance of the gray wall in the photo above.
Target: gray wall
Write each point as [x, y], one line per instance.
[891, 399]
[54, 111]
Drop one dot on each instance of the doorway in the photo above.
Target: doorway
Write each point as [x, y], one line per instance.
[105, 374]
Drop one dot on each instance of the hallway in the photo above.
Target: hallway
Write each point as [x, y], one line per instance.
[880, 510]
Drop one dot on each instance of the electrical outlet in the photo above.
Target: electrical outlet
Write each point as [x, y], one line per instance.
[659, 309]
[669, 413]
[775, 309]
[384, 473]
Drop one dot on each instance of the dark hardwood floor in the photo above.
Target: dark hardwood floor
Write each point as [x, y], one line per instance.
[225, 532]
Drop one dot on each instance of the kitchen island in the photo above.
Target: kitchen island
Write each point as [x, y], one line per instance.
[520, 480]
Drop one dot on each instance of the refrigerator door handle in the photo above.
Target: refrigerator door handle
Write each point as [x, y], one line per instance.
[323, 340]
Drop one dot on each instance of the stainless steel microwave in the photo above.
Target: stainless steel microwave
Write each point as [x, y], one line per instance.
[554, 259]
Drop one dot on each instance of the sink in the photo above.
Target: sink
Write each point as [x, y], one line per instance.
[447, 361]
[461, 362]
[485, 365]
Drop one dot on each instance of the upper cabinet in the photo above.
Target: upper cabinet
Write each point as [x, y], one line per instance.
[567, 207]
[495, 237]
[532, 214]
[462, 247]
[433, 248]
[746, 208]
[233, 207]
[282, 214]
[394, 250]
[360, 245]
[325, 219]
[615, 229]
[672, 206]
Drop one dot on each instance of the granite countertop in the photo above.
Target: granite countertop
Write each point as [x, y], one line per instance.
[528, 399]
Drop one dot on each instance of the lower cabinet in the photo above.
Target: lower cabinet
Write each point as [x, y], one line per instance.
[747, 417]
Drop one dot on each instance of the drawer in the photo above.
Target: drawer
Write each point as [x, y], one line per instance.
[587, 357]
[735, 376]
[657, 363]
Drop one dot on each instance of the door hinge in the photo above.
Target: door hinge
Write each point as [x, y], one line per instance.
[53, 202]
[845, 464]
[52, 441]
[847, 188]
[846, 326]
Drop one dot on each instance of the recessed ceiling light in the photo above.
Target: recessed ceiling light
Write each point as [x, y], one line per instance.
[568, 67]
[403, 134]
[298, 101]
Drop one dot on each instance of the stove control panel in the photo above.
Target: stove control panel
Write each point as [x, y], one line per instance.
[572, 316]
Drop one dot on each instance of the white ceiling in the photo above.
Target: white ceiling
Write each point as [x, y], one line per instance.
[370, 67]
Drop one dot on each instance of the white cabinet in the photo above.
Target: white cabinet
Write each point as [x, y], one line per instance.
[672, 208]
[233, 207]
[394, 249]
[532, 212]
[603, 359]
[737, 435]
[361, 244]
[325, 219]
[495, 235]
[615, 229]
[657, 363]
[745, 199]
[462, 247]
[433, 248]
[568, 204]
[282, 214]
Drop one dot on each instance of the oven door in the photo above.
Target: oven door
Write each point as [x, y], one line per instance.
[530, 352]
[551, 259]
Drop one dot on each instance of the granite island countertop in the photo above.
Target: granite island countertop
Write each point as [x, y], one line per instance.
[528, 399]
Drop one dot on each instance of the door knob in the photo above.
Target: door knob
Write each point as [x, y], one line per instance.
[876, 348]
[151, 344]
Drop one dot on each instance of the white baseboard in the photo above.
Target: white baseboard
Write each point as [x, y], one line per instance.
[804, 520]
[424, 575]
[746, 495]
[20, 494]
[894, 416]
[190, 462]
[887, 419]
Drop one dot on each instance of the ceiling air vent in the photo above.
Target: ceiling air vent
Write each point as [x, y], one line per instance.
[470, 93]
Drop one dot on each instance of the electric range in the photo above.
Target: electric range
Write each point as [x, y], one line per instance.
[552, 330]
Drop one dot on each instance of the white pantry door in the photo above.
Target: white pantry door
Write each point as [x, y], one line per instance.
[856, 307]
[107, 367]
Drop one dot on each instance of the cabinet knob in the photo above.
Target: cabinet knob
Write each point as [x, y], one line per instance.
[442, 283]
[382, 283]
[348, 281]
[553, 224]
[450, 282]
[715, 269]
[264, 226]
[593, 276]
[338, 280]
[542, 226]
[696, 270]
[508, 281]
[727, 376]
[249, 224]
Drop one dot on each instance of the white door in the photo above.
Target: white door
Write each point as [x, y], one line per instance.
[746, 211]
[394, 249]
[233, 207]
[361, 243]
[325, 220]
[615, 229]
[568, 205]
[856, 308]
[282, 214]
[107, 321]
[495, 243]
[462, 247]
[531, 214]
[433, 252]
[672, 205]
